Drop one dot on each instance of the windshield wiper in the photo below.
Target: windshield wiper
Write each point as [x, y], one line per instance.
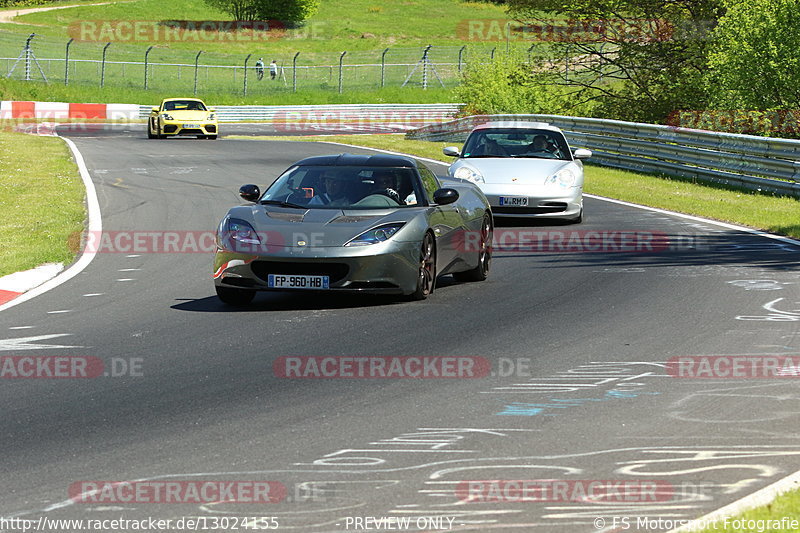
[282, 204]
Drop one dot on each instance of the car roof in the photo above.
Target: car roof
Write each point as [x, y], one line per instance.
[359, 160]
[516, 124]
[181, 99]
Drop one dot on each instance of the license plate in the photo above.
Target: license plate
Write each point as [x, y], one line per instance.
[286, 281]
[521, 201]
[191, 126]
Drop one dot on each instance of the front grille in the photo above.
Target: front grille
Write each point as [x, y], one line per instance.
[192, 131]
[210, 128]
[552, 207]
[170, 128]
[335, 271]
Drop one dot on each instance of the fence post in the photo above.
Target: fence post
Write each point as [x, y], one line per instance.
[66, 63]
[294, 72]
[245, 73]
[103, 66]
[341, 59]
[425, 67]
[491, 56]
[383, 66]
[196, 60]
[460, 53]
[147, 53]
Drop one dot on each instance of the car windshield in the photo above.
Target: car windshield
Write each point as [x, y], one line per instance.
[517, 142]
[184, 105]
[346, 187]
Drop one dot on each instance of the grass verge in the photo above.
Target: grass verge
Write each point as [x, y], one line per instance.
[760, 211]
[41, 198]
[765, 518]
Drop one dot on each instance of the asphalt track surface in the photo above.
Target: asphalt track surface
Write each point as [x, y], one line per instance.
[584, 335]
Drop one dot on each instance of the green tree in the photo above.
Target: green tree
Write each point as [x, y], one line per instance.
[638, 59]
[291, 11]
[756, 61]
[505, 85]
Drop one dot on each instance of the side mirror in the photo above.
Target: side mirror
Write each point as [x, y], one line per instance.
[249, 193]
[445, 196]
[582, 153]
[154, 109]
[452, 151]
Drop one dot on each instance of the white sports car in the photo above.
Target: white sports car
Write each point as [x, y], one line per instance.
[525, 169]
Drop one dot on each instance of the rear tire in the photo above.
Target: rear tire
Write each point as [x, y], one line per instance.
[235, 297]
[426, 276]
[480, 272]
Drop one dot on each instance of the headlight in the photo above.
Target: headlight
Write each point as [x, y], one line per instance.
[167, 116]
[212, 116]
[376, 235]
[234, 233]
[469, 174]
[563, 178]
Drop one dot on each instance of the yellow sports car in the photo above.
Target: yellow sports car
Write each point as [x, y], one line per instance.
[182, 116]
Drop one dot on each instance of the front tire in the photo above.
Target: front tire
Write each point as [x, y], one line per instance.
[235, 297]
[426, 276]
[481, 272]
[150, 134]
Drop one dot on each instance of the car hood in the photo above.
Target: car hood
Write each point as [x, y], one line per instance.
[321, 227]
[188, 115]
[520, 171]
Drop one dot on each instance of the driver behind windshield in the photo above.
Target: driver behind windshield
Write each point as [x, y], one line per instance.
[335, 191]
[385, 183]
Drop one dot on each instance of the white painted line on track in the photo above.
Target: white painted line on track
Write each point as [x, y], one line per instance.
[94, 294]
[757, 499]
[726, 225]
[21, 327]
[128, 269]
[95, 226]
[60, 311]
[125, 279]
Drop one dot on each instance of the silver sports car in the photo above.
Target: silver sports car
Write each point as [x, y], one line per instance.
[380, 223]
[526, 169]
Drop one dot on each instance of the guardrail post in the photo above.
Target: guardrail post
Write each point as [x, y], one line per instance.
[341, 59]
[103, 66]
[66, 63]
[294, 72]
[196, 60]
[245, 73]
[383, 66]
[146, 54]
[461, 53]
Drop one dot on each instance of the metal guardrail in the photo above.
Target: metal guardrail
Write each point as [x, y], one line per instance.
[412, 114]
[759, 163]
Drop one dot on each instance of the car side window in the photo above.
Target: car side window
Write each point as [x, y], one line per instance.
[429, 181]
